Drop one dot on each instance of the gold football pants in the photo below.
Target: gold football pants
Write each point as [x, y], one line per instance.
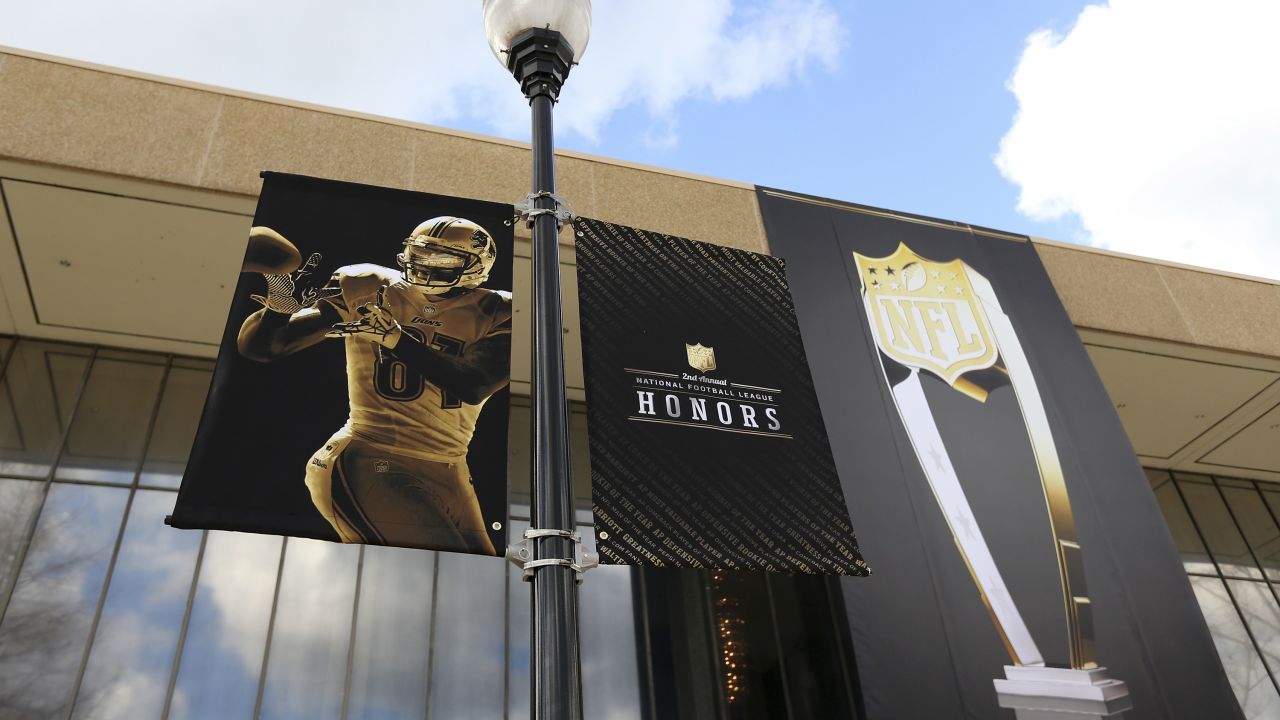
[373, 496]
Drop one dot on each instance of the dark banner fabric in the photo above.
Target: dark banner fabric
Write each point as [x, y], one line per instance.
[360, 393]
[989, 476]
[707, 445]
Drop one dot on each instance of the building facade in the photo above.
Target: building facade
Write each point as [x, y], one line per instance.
[127, 199]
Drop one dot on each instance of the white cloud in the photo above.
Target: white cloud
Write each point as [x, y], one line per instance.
[1157, 123]
[428, 61]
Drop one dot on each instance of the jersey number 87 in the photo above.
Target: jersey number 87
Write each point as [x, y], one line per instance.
[394, 379]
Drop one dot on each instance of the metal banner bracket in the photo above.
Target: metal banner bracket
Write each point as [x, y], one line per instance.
[526, 212]
[521, 553]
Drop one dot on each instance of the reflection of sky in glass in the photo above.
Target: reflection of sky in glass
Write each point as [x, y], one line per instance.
[393, 631]
[45, 627]
[469, 652]
[518, 633]
[1248, 677]
[128, 670]
[218, 676]
[18, 499]
[308, 663]
[112, 420]
[610, 674]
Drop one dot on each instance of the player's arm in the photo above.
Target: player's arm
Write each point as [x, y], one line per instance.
[294, 315]
[481, 370]
[267, 334]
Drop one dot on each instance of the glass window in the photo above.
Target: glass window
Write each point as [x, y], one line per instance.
[1262, 615]
[18, 501]
[468, 645]
[222, 655]
[809, 647]
[610, 671]
[1194, 557]
[519, 630]
[39, 388]
[307, 668]
[113, 419]
[179, 415]
[46, 625]
[393, 634]
[132, 655]
[1218, 528]
[1245, 671]
[1257, 524]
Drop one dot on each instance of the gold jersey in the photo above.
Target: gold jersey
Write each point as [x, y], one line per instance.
[392, 404]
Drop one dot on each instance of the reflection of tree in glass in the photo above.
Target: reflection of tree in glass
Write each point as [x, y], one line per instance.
[43, 634]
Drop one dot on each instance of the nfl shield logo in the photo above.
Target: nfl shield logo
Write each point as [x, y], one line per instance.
[926, 314]
[701, 358]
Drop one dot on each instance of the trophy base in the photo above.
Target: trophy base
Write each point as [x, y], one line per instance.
[1045, 693]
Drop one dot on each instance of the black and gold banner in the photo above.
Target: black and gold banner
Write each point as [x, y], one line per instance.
[1027, 550]
[707, 446]
[360, 393]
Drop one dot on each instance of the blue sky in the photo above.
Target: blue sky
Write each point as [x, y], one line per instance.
[909, 118]
[1150, 127]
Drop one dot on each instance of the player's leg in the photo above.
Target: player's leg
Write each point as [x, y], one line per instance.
[466, 511]
[328, 492]
[390, 496]
[448, 486]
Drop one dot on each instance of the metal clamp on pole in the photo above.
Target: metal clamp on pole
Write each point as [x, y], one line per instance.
[526, 212]
[521, 553]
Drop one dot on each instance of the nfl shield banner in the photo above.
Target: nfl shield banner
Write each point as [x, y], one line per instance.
[360, 393]
[1027, 548]
[707, 446]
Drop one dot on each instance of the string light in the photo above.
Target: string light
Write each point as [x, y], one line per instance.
[730, 625]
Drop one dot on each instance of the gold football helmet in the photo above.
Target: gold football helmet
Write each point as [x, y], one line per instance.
[447, 252]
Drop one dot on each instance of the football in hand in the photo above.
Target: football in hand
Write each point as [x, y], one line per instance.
[270, 253]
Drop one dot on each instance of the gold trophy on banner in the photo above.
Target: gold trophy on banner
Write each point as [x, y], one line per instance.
[944, 318]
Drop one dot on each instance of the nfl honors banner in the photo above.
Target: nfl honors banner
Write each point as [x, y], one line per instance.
[1028, 566]
[360, 393]
[707, 446]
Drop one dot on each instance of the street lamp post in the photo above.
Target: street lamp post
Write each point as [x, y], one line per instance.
[539, 41]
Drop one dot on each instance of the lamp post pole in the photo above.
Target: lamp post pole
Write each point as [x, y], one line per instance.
[540, 59]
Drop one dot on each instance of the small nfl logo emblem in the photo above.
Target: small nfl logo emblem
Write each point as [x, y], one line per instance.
[701, 358]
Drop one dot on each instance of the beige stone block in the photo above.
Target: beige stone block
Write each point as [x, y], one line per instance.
[1113, 294]
[687, 207]
[576, 184]
[1227, 312]
[253, 136]
[63, 115]
[466, 167]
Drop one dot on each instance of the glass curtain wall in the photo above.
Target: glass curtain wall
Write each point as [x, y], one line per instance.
[105, 612]
[1228, 536]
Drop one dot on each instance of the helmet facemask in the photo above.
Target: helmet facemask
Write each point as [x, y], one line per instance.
[446, 253]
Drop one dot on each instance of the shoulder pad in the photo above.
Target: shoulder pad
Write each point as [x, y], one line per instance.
[365, 275]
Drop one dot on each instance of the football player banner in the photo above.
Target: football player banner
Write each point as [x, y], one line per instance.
[360, 393]
[707, 446]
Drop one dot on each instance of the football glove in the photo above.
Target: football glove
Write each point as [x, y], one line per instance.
[376, 324]
[290, 293]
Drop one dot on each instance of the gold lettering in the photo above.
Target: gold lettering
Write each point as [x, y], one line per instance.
[968, 344]
[929, 311]
[901, 326]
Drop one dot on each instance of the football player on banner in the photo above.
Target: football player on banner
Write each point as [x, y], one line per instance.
[426, 346]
